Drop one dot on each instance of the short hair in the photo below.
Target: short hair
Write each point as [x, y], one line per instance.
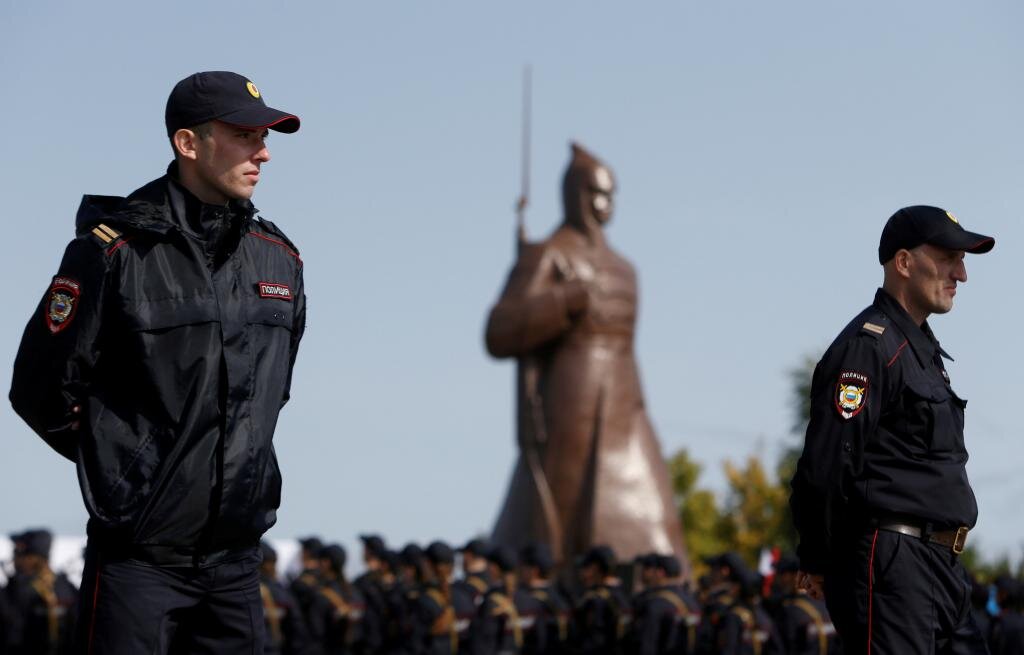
[203, 130]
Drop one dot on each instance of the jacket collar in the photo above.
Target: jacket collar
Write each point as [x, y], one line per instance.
[147, 209]
[920, 337]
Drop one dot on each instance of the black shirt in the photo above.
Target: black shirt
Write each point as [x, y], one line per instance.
[885, 437]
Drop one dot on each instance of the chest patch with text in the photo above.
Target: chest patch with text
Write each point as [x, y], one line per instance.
[274, 290]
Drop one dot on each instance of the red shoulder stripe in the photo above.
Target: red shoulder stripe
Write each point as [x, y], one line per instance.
[111, 249]
[897, 355]
[280, 243]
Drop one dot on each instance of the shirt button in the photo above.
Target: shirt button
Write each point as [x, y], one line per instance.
[847, 447]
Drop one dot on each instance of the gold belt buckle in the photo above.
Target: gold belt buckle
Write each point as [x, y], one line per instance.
[960, 540]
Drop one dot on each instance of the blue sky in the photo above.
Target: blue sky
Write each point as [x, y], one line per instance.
[759, 147]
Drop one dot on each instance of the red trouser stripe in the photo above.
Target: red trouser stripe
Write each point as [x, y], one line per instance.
[871, 580]
[95, 599]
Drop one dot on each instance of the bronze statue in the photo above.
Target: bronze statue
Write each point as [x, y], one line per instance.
[590, 469]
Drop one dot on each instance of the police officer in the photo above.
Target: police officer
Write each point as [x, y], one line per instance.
[551, 619]
[304, 587]
[746, 628]
[335, 622]
[601, 616]
[803, 622]
[286, 632]
[435, 621]
[475, 570]
[659, 621]
[693, 613]
[720, 593]
[498, 628]
[414, 575]
[880, 497]
[43, 601]
[394, 591]
[158, 361]
[1008, 629]
[370, 586]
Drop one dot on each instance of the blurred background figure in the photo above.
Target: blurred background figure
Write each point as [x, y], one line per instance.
[304, 587]
[475, 571]
[336, 616]
[286, 632]
[42, 603]
[1007, 636]
[551, 621]
[745, 628]
[602, 614]
[803, 622]
[497, 628]
[370, 584]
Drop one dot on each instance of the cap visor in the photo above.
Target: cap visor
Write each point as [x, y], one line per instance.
[971, 242]
[259, 117]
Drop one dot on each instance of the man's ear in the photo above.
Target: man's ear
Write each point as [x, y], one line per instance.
[185, 143]
[902, 262]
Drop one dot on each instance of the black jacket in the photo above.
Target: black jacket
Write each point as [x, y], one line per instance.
[885, 438]
[174, 326]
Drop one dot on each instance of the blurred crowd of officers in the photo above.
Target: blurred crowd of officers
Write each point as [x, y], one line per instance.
[413, 602]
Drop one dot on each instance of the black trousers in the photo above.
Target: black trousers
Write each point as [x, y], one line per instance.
[130, 607]
[891, 594]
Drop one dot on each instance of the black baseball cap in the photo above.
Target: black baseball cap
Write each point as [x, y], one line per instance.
[504, 558]
[33, 542]
[602, 556]
[670, 565]
[537, 554]
[478, 547]
[913, 226]
[223, 96]
[374, 544]
[311, 545]
[439, 552]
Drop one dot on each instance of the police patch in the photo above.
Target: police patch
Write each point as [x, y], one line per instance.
[61, 303]
[851, 393]
[274, 290]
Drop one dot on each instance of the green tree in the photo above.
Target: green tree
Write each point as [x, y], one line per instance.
[756, 509]
[753, 515]
[703, 524]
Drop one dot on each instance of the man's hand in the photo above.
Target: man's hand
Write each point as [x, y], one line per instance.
[814, 585]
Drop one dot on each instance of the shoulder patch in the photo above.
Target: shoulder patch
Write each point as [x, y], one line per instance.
[851, 393]
[871, 327]
[61, 303]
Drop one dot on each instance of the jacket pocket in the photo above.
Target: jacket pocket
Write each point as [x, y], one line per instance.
[271, 312]
[121, 464]
[167, 313]
[942, 412]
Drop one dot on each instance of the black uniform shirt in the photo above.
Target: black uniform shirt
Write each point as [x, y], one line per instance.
[885, 437]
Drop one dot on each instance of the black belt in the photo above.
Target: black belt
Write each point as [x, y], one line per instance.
[955, 540]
